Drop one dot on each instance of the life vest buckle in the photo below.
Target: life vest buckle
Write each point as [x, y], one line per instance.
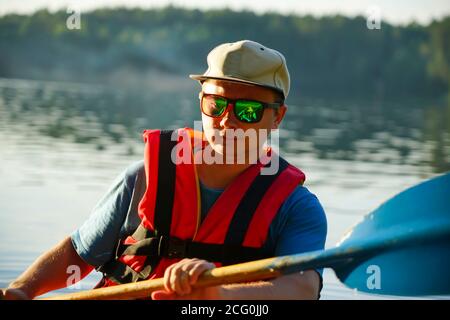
[172, 247]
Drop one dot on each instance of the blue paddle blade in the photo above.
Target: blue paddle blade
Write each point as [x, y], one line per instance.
[403, 247]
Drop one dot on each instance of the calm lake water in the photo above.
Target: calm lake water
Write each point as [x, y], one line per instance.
[61, 145]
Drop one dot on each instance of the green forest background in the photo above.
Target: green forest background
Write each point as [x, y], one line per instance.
[327, 56]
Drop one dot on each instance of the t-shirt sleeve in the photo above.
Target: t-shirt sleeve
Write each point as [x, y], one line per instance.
[97, 237]
[302, 224]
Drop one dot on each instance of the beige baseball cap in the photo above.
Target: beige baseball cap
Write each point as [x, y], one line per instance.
[248, 62]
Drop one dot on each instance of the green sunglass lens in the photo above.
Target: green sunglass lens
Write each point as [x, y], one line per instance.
[248, 111]
[214, 106]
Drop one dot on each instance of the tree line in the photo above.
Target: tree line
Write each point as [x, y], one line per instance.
[332, 55]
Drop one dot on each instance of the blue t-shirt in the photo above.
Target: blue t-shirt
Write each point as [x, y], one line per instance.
[300, 225]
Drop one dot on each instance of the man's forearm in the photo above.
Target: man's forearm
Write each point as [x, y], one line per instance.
[49, 271]
[291, 287]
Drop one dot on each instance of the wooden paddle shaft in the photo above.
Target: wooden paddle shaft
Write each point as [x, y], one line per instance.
[243, 272]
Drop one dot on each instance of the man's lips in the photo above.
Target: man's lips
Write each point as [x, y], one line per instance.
[231, 138]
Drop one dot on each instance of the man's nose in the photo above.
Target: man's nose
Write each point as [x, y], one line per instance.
[229, 119]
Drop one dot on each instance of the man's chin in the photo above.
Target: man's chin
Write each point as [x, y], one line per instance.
[231, 157]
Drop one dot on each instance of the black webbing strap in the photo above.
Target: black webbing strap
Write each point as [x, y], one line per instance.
[166, 184]
[226, 254]
[146, 247]
[248, 205]
[157, 247]
[121, 273]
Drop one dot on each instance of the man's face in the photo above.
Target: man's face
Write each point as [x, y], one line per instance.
[228, 123]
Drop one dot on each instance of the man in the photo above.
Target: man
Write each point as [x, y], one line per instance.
[199, 200]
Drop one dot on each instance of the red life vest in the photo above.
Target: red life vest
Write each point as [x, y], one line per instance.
[234, 230]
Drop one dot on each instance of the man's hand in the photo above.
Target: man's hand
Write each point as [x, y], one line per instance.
[13, 294]
[179, 278]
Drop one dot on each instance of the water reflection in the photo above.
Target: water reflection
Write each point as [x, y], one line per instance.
[414, 132]
[391, 132]
[85, 114]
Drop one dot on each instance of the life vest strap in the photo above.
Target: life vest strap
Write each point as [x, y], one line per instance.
[119, 272]
[166, 186]
[242, 218]
[174, 248]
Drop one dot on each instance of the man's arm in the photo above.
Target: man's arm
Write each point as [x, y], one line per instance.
[48, 272]
[297, 286]
[179, 278]
[94, 241]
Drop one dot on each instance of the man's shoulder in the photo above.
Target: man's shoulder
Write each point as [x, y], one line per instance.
[302, 193]
[302, 201]
[300, 225]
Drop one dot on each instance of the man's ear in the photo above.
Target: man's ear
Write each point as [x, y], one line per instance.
[279, 115]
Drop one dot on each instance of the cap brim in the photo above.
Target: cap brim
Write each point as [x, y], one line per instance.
[200, 77]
